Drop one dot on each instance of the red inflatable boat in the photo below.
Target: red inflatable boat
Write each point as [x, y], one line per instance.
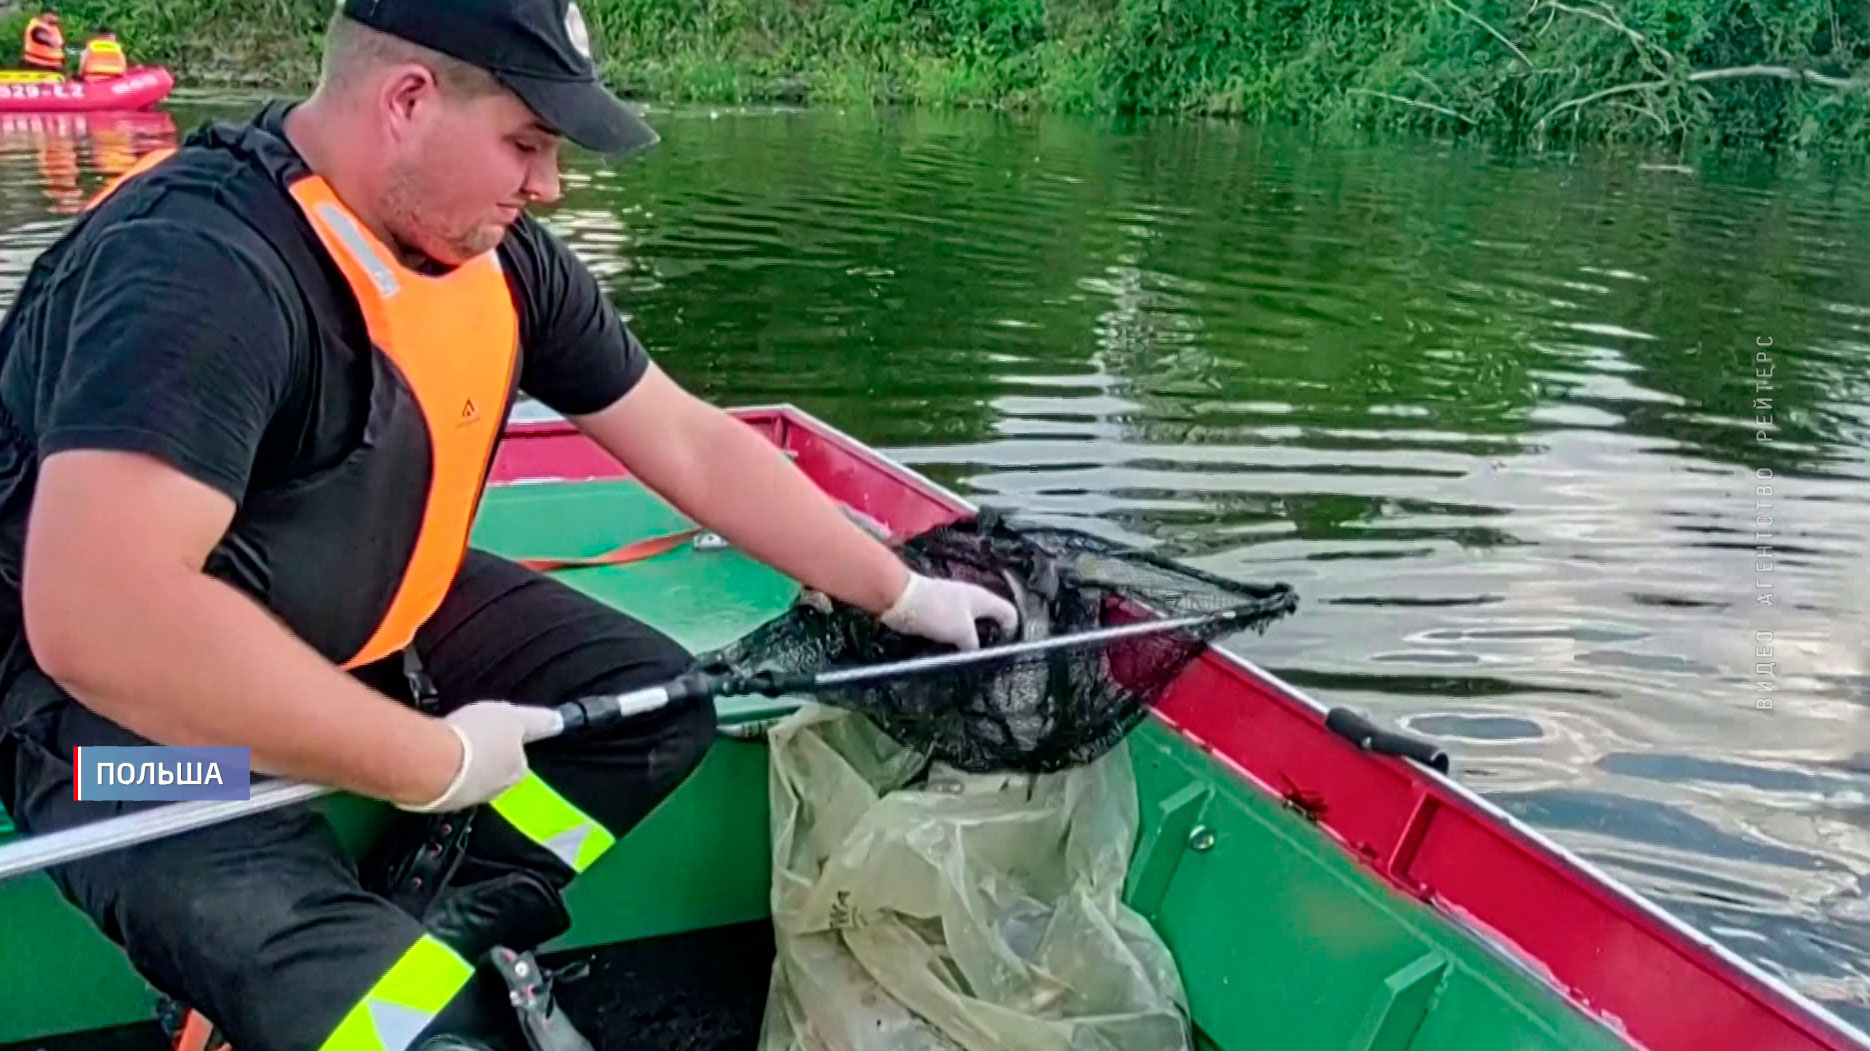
[27, 91]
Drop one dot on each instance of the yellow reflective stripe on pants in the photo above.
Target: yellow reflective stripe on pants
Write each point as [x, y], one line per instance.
[408, 996]
[548, 819]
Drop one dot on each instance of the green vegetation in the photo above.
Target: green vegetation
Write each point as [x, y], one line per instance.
[263, 43]
[1679, 71]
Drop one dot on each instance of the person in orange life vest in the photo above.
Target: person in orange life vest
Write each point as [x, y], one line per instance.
[44, 47]
[361, 262]
[102, 57]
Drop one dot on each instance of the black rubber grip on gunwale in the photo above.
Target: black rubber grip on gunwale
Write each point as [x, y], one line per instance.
[1367, 735]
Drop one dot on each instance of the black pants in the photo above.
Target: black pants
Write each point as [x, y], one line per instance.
[263, 924]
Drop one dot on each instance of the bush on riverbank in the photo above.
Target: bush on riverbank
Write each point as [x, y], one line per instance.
[1675, 70]
[1535, 70]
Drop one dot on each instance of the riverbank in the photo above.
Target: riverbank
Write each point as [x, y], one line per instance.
[1540, 71]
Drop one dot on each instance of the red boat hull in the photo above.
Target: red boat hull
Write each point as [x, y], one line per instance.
[1615, 955]
[140, 88]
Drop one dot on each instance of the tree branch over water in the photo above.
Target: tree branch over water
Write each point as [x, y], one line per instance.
[1620, 89]
[1609, 18]
[1666, 65]
[1481, 22]
[1781, 72]
[1415, 102]
[1730, 73]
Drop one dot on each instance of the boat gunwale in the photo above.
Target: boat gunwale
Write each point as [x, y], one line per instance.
[1637, 911]
[147, 86]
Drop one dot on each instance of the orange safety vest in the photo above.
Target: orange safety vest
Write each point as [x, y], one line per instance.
[45, 44]
[355, 557]
[102, 58]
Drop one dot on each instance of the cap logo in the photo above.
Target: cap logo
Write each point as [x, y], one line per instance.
[575, 28]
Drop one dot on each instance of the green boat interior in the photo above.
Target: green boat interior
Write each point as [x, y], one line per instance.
[1283, 940]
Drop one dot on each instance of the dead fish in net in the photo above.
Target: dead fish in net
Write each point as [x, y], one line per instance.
[1037, 714]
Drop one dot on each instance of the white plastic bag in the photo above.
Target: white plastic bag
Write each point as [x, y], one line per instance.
[968, 913]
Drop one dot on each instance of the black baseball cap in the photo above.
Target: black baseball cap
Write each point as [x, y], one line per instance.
[539, 49]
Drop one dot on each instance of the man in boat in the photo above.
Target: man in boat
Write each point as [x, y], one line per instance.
[44, 47]
[247, 404]
[102, 57]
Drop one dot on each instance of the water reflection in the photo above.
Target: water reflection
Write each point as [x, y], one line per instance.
[75, 153]
[52, 163]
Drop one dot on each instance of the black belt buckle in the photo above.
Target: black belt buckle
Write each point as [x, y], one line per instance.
[421, 688]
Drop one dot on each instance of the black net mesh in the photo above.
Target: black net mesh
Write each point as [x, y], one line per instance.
[1033, 714]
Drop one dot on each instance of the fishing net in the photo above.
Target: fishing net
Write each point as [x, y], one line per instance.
[1036, 713]
[949, 849]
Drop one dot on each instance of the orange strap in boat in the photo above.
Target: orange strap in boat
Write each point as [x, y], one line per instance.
[635, 551]
[650, 547]
[198, 1034]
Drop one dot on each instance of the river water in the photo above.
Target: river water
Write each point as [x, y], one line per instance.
[1565, 454]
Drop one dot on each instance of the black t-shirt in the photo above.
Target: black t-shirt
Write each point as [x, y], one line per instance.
[176, 329]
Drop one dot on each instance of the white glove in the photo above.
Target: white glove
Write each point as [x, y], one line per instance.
[493, 737]
[945, 611]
